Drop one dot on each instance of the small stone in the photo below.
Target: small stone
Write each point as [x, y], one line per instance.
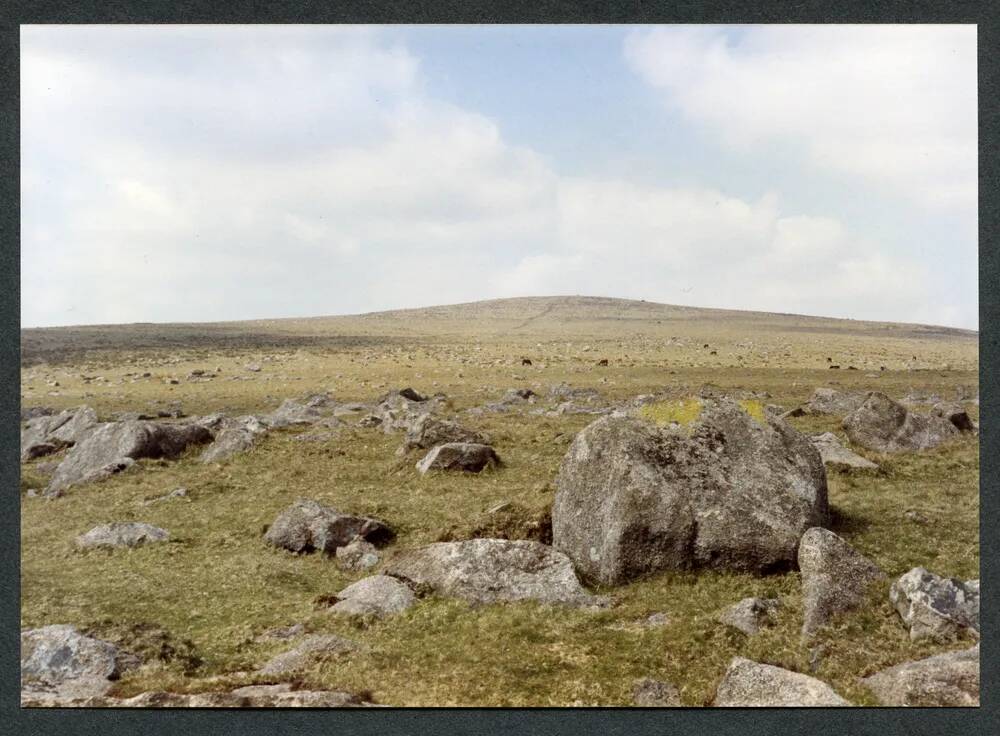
[122, 534]
[750, 614]
[649, 693]
[378, 596]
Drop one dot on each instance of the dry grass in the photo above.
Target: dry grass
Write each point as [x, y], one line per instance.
[217, 585]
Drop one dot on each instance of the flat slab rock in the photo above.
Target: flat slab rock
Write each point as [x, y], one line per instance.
[725, 491]
[750, 615]
[122, 534]
[950, 679]
[935, 607]
[834, 453]
[309, 651]
[831, 401]
[493, 571]
[884, 425]
[59, 663]
[377, 596]
[752, 684]
[469, 457]
[308, 526]
[836, 578]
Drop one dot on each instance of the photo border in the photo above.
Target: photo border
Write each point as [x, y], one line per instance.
[392, 721]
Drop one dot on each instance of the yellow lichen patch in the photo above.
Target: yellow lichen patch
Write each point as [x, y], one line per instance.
[683, 411]
[754, 408]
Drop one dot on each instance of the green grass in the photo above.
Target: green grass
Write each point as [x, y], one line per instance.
[218, 585]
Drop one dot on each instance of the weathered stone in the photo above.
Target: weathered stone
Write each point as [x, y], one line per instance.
[46, 434]
[752, 684]
[834, 453]
[307, 526]
[750, 614]
[378, 596]
[494, 570]
[311, 650]
[831, 401]
[956, 414]
[110, 448]
[835, 577]
[935, 607]
[428, 431]
[649, 693]
[726, 491]
[122, 534]
[884, 425]
[58, 663]
[232, 436]
[944, 680]
[466, 456]
[357, 555]
[291, 413]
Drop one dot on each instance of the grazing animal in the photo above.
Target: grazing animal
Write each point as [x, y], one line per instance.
[602, 361]
[525, 361]
[834, 367]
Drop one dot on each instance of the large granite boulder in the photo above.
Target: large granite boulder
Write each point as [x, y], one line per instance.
[832, 401]
[835, 454]
[122, 534]
[59, 663]
[935, 607]
[884, 425]
[45, 434]
[308, 526]
[723, 490]
[428, 431]
[110, 448]
[469, 457]
[835, 577]
[950, 679]
[376, 596]
[754, 685]
[494, 570]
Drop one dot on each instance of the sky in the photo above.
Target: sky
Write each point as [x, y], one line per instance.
[208, 173]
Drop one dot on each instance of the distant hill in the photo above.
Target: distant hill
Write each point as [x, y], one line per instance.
[515, 320]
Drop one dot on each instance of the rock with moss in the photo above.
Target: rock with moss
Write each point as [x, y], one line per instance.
[357, 555]
[376, 596]
[933, 607]
[836, 578]
[944, 680]
[650, 693]
[750, 615]
[310, 651]
[884, 425]
[713, 487]
[832, 401]
[494, 570]
[749, 684]
[308, 526]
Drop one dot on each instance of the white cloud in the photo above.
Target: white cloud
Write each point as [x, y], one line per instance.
[893, 105]
[189, 175]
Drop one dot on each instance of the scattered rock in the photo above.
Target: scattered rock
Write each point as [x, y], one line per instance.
[122, 534]
[466, 456]
[752, 684]
[111, 448]
[944, 680]
[59, 663]
[307, 526]
[252, 367]
[750, 615]
[834, 453]
[428, 431]
[291, 413]
[726, 491]
[46, 434]
[649, 693]
[835, 577]
[956, 414]
[884, 425]
[232, 436]
[494, 570]
[309, 651]
[378, 596]
[935, 607]
[252, 696]
[357, 555]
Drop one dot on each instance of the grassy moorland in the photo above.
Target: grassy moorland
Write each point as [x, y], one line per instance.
[216, 586]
